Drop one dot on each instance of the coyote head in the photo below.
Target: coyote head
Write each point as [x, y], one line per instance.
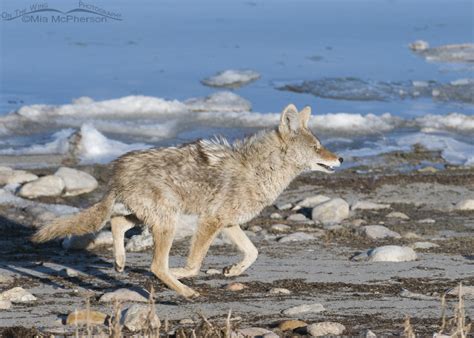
[302, 145]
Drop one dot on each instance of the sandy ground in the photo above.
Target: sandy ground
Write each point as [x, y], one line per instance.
[360, 295]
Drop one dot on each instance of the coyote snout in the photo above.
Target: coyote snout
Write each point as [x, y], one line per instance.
[225, 185]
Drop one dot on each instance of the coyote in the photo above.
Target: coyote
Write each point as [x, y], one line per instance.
[224, 184]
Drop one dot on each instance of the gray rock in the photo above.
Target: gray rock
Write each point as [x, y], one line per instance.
[276, 215]
[76, 182]
[392, 253]
[279, 291]
[124, 295]
[49, 185]
[256, 332]
[297, 218]
[424, 245]
[367, 205]
[466, 291]
[10, 176]
[213, 272]
[332, 211]
[17, 295]
[369, 334]
[89, 241]
[467, 204]
[304, 308]
[280, 228]
[378, 232]
[296, 237]
[396, 214]
[311, 202]
[68, 272]
[5, 304]
[140, 242]
[138, 317]
[412, 295]
[325, 329]
[283, 206]
[426, 221]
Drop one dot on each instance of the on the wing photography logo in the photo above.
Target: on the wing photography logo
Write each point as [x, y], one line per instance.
[42, 13]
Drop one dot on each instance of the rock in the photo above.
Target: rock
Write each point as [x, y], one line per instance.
[68, 272]
[10, 176]
[138, 317]
[325, 329]
[465, 205]
[213, 272]
[378, 232]
[333, 227]
[76, 182]
[366, 205]
[411, 235]
[280, 228]
[255, 228]
[140, 242]
[89, 241]
[467, 291]
[231, 78]
[186, 321]
[279, 291]
[424, 245]
[297, 218]
[276, 215]
[236, 286]
[283, 206]
[391, 253]
[6, 279]
[396, 214]
[251, 332]
[369, 334]
[304, 308]
[17, 295]
[426, 221]
[311, 202]
[290, 325]
[358, 222]
[125, 295]
[49, 185]
[86, 317]
[5, 304]
[332, 211]
[419, 46]
[412, 295]
[296, 237]
[428, 169]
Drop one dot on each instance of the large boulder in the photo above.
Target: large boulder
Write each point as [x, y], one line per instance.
[330, 212]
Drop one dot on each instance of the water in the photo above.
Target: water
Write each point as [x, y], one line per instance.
[164, 49]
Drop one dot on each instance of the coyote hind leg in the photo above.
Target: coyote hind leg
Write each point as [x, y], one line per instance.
[163, 234]
[243, 243]
[120, 225]
[202, 240]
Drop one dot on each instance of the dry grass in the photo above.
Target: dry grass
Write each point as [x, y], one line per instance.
[456, 326]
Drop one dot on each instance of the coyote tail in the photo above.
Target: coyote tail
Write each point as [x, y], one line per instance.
[87, 221]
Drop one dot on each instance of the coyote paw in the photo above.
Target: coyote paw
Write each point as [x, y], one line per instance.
[183, 272]
[233, 270]
[118, 267]
[190, 294]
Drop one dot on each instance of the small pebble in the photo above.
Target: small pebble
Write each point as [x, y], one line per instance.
[236, 286]
[85, 317]
[213, 272]
[255, 228]
[279, 291]
[325, 329]
[283, 206]
[297, 218]
[276, 215]
[280, 228]
[290, 325]
[424, 245]
[186, 321]
[396, 214]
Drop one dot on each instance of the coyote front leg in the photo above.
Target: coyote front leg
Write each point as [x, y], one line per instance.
[202, 239]
[243, 243]
[163, 233]
[119, 226]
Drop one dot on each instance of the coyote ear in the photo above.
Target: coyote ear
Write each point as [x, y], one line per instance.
[304, 116]
[289, 120]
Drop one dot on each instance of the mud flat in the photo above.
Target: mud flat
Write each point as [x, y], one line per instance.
[419, 203]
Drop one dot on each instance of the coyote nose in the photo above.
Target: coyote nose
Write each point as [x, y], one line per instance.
[341, 159]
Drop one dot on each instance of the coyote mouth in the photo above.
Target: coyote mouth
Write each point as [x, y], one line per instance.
[327, 167]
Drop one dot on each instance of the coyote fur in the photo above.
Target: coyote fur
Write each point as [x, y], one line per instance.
[225, 184]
